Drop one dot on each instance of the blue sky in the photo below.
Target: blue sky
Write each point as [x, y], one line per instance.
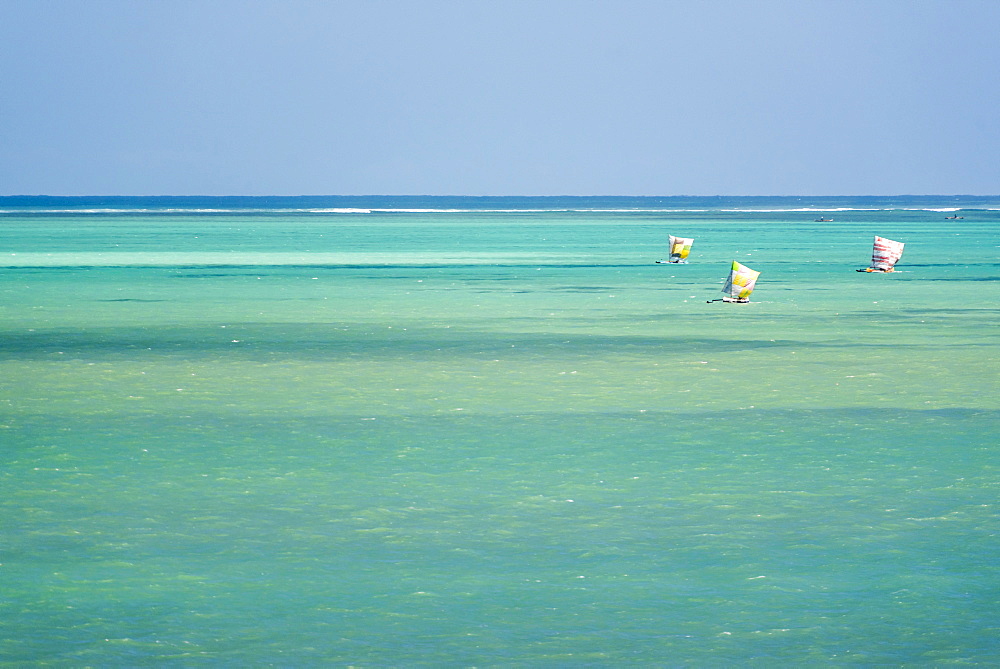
[504, 97]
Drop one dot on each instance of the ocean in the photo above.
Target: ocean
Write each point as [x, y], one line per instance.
[459, 431]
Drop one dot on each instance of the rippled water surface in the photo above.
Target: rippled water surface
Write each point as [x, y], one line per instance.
[458, 432]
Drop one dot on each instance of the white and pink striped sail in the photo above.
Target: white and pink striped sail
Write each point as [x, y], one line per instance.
[885, 254]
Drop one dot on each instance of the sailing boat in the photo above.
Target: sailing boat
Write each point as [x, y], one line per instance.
[885, 254]
[739, 285]
[679, 250]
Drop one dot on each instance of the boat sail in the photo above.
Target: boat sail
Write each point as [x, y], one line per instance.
[740, 284]
[885, 254]
[680, 247]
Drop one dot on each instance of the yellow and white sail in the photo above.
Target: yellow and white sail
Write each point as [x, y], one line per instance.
[680, 247]
[885, 254]
[740, 284]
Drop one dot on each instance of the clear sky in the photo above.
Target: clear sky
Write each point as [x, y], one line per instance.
[499, 97]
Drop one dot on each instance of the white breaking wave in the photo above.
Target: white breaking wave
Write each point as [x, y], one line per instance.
[813, 210]
[273, 259]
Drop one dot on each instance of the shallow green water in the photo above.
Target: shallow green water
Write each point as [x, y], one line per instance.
[496, 438]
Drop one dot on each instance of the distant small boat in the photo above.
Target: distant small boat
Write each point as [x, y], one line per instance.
[680, 247]
[739, 285]
[885, 254]
[824, 220]
[953, 218]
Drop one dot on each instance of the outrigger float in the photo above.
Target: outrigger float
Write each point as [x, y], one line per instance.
[680, 247]
[740, 284]
[885, 254]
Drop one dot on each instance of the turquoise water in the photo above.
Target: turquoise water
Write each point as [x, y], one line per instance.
[482, 432]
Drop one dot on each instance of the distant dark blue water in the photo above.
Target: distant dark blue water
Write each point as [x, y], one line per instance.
[504, 202]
